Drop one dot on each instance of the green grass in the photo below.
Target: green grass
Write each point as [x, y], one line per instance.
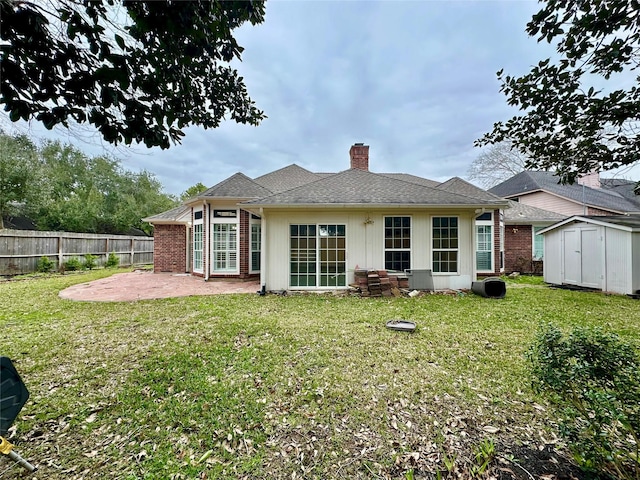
[243, 386]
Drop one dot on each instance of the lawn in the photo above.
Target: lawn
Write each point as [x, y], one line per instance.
[297, 386]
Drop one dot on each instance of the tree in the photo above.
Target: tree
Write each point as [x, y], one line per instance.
[19, 173]
[574, 117]
[192, 191]
[95, 195]
[139, 71]
[496, 164]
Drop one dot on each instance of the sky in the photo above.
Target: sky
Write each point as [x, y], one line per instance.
[414, 80]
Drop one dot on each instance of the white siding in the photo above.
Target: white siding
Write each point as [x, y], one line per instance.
[635, 261]
[618, 261]
[553, 257]
[365, 242]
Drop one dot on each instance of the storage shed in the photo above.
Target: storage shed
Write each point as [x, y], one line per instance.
[599, 252]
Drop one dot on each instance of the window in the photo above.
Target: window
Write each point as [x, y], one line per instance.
[317, 255]
[303, 255]
[397, 243]
[538, 244]
[225, 213]
[224, 247]
[445, 244]
[484, 242]
[197, 241]
[255, 246]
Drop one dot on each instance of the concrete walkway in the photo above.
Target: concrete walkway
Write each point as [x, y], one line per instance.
[144, 285]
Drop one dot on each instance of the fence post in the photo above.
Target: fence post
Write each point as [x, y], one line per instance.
[60, 253]
[133, 244]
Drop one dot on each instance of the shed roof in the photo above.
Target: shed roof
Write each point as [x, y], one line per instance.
[629, 223]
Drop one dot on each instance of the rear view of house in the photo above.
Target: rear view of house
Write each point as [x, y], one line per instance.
[296, 229]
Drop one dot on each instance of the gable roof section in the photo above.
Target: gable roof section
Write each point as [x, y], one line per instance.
[178, 215]
[286, 178]
[630, 223]
[519, 213]
[359, 187]
[462, 187]
[236, 186]
[530, 182]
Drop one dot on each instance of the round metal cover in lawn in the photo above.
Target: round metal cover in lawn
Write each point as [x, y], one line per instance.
[401, 325]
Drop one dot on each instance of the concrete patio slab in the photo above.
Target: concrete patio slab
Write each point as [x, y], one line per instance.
[145, 285]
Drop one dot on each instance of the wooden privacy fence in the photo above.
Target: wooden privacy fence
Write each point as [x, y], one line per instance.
[20, 250]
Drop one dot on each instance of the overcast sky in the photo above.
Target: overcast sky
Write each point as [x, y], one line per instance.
[415, 80]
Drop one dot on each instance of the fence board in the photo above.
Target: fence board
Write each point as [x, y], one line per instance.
[20, 250]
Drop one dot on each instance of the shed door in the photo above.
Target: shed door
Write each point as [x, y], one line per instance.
[582, 257]
[571, 257]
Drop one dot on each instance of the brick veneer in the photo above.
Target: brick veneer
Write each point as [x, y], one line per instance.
[518, 243]
[169, 248]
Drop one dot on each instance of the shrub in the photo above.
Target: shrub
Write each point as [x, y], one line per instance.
[89, 261]
[72, 264]
[593, 380]
[45, 265]
[112, 261]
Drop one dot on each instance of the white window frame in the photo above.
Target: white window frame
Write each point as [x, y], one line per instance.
[318, 258]
[225, 221]
[198, 225]
[384, 239]
[255, 222]
[534, 237]
[486, 223]
[433, 250]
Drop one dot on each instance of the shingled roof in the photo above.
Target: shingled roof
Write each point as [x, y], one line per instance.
[236, 186]
[530, 182]
[462, 187]
[181, 214]
[359, 187]
[526, 214]
[286, 178]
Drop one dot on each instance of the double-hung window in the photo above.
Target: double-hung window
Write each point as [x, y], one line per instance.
[445, 244]
[198, 229]
[397, 243]
[484, 242]
[225, 241]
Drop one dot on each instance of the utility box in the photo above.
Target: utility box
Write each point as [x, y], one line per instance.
[419, 279]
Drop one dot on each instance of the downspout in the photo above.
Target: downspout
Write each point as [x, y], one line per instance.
[263, 257]
[206, 248]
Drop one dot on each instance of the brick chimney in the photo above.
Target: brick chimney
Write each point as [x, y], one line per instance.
[359, 154]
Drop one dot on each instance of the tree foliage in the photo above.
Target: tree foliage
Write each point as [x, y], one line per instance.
[139, 71]
[575, 116]
[192, 191]
[19, 183]
[496, 164]
[77, 193]
[593, 380]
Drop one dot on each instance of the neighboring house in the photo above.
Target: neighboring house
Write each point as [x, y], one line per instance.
[295, 229]
[590, 195]
[600, 252]
[523, 248]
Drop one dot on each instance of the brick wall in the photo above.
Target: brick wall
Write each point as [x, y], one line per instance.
[597, 211]
[518, 249]
[169, 248]
[496, 242]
